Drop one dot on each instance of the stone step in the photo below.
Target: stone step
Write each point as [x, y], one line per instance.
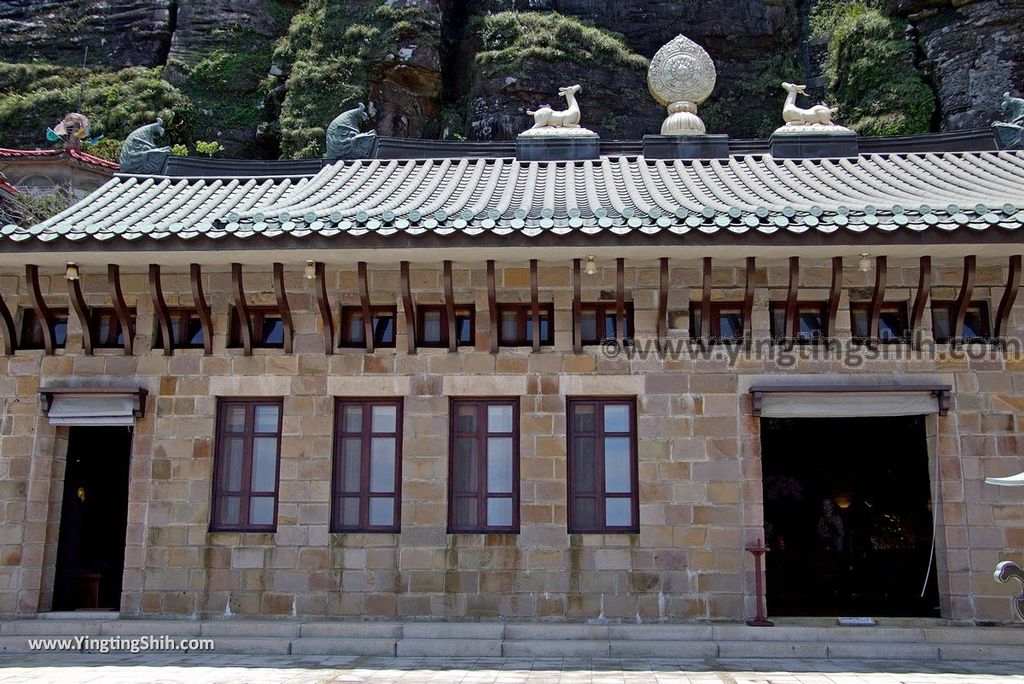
[555, 648]
[341, 646]
[453, 630]
[659, 632]
[557, 632]
[357, 630]
[981, 652]
[650, 648]
[133, 628]
[261, 645]
[51, 627]
[450, 648]
[772, 649]
[1001, 636]
[245, 628]
[883, 651]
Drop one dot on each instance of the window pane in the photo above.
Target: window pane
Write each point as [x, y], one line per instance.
[891, 326]
[234, 418]
[273, 330]
[60, 331]
[384, 418]
[382, 511]
[618, 512]
[384, 329]
[499, 418]
[351, 451]
[499, 465]
[859, 322]
[232, 473]
[264, 464]
[266, 418]
[103, 328]
[730, 325]
[975, 325]
[465, 418]
[261, 510]
[941, 323]
[584, 418]
[544, 325]
[463, 328]
[432, 326]
[509, 326]
[499, 512]
[465, 511]
[778, 321]
[230, 510]
[616, 418]
[194, 332]
[355, 327]
[584, 472]
[352, 418]
[616, 465]
[609, 325]
[695, 318]
[382, 464]
[811, 324]
[348, 509]
[585, 512]
[588, 325]
[465, 464]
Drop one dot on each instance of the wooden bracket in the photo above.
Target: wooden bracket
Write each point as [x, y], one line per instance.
[535, 304]
[577, 309]
[662, 303]
[877, 298]
[364, 303]
[1009, 297]
[81, 310]
[324, 303]
[410, 312]
[705, 304]
[120, 307]
[748, 302]
[492, 307]
[963, 300]
[10, 341]
[163, 316]
[791, 297]
[449, 307]
[241, 308]
[282, 306]
[620, 301]
[202, 307]
[924, 284]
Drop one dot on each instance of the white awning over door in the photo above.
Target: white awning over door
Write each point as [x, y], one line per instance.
[840, 401]
[93, 406]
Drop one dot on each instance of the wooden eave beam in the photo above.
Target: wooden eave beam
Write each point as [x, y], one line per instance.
[1009, 297]
[577, 306]
[241, 308]
[364, 303]
[963, 299]
[449, 307]
[791, 297]
[324, 304]
[924, 284]
[662, 302]
[535, 304]
[748, 302]
[282, 306]
[120, 306]
[202, 307]
[163, 316]
[81, 310]
[407, 305]
[492, 306]
[878, 297]
[620, 301]
[834, 293]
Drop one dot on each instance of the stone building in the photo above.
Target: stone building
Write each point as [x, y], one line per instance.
[317, 389]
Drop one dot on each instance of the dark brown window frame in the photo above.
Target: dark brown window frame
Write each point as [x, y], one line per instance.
[337, 466]
[114, 338]
[481, 494]
[245, 493]
[820, 307]
[600, 494]
[348, 311]
[603, 310]
[986, 318]
[258, 315]
[899, 308]
[30, 323]
[715, 327]
[524, 335]
[183, 316]
[460, 312]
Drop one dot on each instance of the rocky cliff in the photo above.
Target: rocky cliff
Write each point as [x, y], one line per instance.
[265, 77]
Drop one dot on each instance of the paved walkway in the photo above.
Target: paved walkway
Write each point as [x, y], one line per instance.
[235, 669]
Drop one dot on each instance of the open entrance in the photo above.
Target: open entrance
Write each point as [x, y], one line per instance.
[848, 517]
[94, 519]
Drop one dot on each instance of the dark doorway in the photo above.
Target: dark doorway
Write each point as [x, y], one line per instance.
[93, 520]
[847, 507]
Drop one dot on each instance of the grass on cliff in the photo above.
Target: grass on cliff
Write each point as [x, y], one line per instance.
[510, 39]
[871, 74]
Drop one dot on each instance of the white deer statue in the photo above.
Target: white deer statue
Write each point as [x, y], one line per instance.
[546, 117]
[797, 116]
